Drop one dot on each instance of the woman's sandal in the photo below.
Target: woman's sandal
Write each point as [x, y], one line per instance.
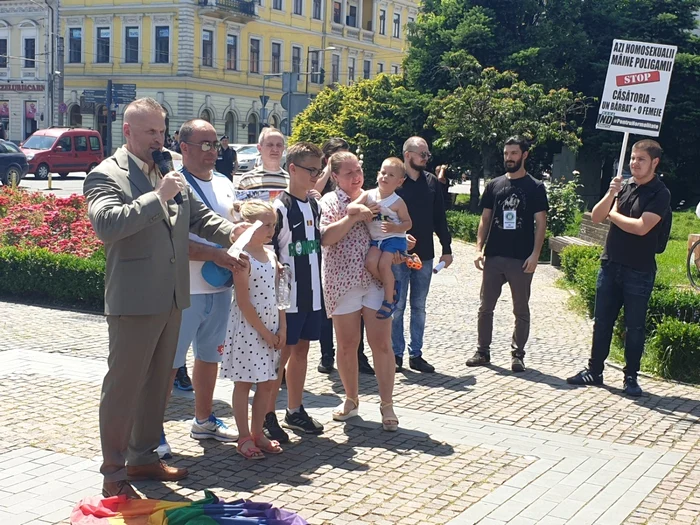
[340, 415]
[390, 424]
[252, 452]
[386, 310]
[273, 447]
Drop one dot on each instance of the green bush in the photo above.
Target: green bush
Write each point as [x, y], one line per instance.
[63, 279]
[674, 350]
[585, 280]
[682, 305]
[572, 256]
[564, 205]
[463, 225]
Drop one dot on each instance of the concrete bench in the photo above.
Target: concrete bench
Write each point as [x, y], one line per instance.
[590, 234]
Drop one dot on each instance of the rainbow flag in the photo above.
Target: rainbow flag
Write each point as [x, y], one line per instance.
[211, 510]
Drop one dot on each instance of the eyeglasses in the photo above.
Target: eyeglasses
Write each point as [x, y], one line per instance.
[206, 145]
[313, 172]
[423, 154]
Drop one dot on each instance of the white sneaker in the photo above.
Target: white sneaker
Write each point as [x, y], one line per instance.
[163, 449]
[212, 428]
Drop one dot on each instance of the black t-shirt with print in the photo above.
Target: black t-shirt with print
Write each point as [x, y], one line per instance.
[513, 236]
[637, 251]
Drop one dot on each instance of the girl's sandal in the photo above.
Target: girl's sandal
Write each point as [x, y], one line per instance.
[272, 447]
[251, 452]
[341, 415]
[390, 424]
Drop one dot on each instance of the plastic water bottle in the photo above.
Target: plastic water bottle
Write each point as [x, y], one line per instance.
[284, 287]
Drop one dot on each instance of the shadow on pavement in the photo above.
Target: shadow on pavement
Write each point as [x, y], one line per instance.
[533, 375]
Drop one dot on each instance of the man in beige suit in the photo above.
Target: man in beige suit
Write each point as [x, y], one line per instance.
[132, 209]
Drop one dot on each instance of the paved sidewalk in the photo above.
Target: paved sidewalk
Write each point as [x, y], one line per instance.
[475, 445]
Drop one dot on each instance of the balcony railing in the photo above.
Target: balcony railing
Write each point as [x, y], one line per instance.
[243, 7]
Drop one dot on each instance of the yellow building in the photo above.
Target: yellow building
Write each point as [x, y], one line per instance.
[210, 58]
[25, 67]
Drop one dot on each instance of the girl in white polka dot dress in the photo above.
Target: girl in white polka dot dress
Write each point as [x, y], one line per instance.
[256, 333]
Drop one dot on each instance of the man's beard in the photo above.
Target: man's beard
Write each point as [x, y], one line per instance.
[515, 167]
[415, 166]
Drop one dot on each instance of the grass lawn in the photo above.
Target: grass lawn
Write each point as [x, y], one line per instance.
[671, 263]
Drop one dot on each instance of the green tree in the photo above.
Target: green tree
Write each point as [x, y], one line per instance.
[563, 43]
[377, 115]
[478, 118]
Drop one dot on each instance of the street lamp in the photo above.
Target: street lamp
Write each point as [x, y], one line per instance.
[308, 52]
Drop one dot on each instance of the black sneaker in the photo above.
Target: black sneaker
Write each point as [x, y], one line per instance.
[272, 429]
[302, 422]
[365, 368]
[479, 359]
[585, 378]
[182, 380]
[325, 367]
[517, 364]
[399, 363]
[631, 387]
[420, 364]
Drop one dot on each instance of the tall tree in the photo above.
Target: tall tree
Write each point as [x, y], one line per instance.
[482, 115]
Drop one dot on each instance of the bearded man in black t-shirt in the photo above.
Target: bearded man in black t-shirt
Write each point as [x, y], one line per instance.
[509, 241]
[628, 264]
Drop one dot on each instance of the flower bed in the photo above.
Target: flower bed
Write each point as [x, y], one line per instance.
[49, 252]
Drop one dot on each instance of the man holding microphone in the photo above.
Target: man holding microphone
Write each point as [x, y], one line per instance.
[143, 216]
[628, 264]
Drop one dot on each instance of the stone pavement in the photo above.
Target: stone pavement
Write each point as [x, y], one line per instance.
[476, 445]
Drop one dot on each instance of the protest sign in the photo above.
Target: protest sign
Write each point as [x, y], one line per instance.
[636, 86]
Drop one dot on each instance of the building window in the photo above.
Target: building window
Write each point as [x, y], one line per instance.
[337, 10]
[29, 52]
[75, 45]
[335, 68]
[296, 60]
[277, 5]
[351, 19]
[208, 47]
[380, 68]
[276, 57]
[131, 45]
[298, 6]
[351, 70]
[367, 65]
[231, 52]
[395, 70]
[316, 14]
[314, 67]
[382, 21]
[104, 37]
[162, 44]
[411, 19]
[254, 55]
[3, 53]
[396, 33]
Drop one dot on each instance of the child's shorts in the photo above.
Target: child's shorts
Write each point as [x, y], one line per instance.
[391, 244]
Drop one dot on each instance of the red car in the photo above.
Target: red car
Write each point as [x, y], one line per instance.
[62, 151]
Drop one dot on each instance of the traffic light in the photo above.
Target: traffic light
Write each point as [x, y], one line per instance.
[113, 115]
[322, 77]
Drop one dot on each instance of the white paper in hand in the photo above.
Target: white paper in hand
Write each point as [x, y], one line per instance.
[243, 239]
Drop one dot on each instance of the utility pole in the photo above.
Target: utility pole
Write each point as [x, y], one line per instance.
[108, 130]
[59, 74]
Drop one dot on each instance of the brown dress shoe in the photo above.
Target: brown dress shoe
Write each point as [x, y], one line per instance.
[117, 488]
[158, 471]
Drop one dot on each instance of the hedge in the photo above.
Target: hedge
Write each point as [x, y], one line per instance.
[672, 331]
[37, 274]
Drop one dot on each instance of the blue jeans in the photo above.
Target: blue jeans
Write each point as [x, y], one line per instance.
[619, 286]
[419, 283]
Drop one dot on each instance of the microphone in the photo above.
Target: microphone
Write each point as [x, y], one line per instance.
[164, 161]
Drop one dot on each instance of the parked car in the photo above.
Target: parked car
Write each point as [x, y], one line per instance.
[247, 155]
[62, 151]
[13, 163]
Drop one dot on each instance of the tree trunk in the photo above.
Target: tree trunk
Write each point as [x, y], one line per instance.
[606, 175]
[475, 194]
